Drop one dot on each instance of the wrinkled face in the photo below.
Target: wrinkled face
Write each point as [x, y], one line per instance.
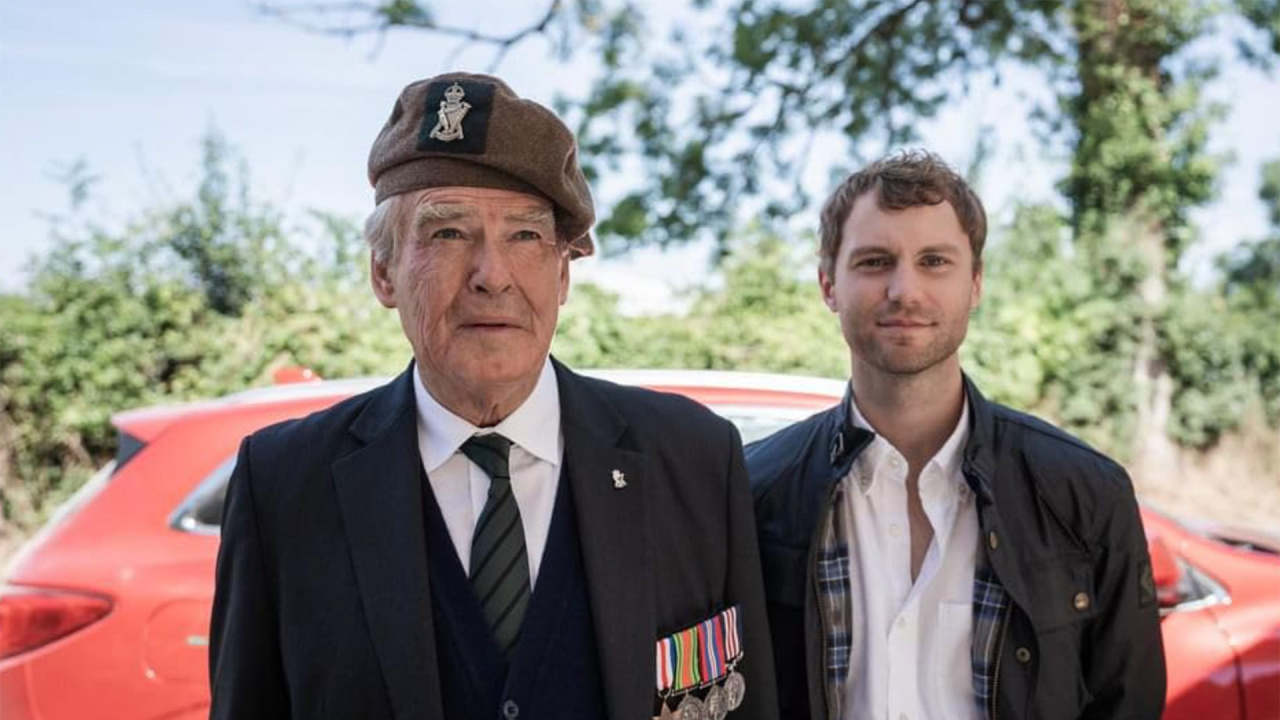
[478, 279]
[904, 284]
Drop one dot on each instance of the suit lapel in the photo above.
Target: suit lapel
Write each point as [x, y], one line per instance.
[380, 495]
[615, 547]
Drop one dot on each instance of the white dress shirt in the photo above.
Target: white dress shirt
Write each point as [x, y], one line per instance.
[461, 487]
[910, 657]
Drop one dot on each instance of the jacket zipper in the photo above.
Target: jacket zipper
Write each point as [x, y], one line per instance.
[995, 677]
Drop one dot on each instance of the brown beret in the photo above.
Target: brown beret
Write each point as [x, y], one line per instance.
[460, 129]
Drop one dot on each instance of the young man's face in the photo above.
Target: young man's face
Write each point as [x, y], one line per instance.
[903, 284]
[478, 280]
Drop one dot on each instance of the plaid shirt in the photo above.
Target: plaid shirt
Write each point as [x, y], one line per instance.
[835, 608]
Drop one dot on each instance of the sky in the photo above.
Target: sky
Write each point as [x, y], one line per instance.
[131, 86]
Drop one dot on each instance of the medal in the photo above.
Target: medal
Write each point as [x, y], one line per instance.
[691, 708]
[714, 702]
[701, 656]
[735, 687]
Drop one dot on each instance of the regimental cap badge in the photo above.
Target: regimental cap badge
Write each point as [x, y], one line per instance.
[453, 109]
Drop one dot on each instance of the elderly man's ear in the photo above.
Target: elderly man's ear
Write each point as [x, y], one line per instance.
[381, 279]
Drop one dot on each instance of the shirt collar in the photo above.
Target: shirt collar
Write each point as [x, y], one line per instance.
[948, 457]
[951, 454]
[534, 426]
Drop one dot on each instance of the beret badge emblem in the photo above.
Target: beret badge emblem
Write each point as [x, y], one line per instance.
[450, 115]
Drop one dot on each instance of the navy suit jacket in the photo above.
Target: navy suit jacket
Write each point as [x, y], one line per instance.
[322, 606]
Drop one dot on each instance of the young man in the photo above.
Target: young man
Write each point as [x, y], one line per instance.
[929, 554]
[490, 535]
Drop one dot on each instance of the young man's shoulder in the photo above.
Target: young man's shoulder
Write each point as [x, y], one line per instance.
[1041, 438]
[787, 451]
[1067, 471]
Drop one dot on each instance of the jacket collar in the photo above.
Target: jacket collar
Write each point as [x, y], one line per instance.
[386, 405]
[847, 441]
[979, 457]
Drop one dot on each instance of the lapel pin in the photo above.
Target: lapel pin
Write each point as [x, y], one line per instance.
[619, 480]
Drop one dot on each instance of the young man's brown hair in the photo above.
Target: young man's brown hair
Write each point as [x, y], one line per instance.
[906, 179]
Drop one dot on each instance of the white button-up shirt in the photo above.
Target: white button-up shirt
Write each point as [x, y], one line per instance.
[910, 657]
[461, 487]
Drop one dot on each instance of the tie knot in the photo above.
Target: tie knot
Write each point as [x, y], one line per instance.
[492, 453]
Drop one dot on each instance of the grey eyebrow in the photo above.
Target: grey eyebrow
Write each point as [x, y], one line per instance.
[433, 212]
[531, 215]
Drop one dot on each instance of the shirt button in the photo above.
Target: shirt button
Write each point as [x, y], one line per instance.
[1081, 601]
[902, 622]
[894, 463]
[895, 530]
[1023, 655]
[510, 710]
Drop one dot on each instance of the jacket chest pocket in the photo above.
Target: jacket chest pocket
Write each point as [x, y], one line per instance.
[1060, 593]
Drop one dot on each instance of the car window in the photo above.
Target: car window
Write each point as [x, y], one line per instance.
[201, 512]
[756, 423]
[1196, 589]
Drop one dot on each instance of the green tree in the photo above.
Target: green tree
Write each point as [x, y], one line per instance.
[1251, 286]
[719, 121]
[196, 299]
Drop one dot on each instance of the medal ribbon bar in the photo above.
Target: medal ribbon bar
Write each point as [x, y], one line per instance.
[701, 654]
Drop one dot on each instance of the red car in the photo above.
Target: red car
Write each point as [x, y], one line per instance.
[105, 612]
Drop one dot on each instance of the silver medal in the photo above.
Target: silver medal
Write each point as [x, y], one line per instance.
[735, 687]
[691, 708]
[715, 703]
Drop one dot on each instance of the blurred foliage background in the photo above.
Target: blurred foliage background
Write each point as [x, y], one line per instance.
[1089, 316]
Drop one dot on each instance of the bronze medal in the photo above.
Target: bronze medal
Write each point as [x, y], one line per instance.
[735, 687]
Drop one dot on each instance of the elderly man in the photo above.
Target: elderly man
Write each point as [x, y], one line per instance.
[929, 554]
[490, 535]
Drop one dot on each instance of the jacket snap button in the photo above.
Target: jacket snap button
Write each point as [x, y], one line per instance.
[510, 710]
[993, 541]
[1023, 655]
[1081, 601]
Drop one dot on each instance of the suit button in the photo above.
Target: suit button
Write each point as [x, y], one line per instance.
[1081, 601]
[993, 541]
[510, 710]
[1023, 655]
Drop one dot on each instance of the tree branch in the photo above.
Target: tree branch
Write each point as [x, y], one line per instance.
[312, 18]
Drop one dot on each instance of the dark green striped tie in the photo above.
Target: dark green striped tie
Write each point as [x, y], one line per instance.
[499, 561]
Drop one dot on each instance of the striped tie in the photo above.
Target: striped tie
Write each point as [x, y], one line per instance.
[499, 561]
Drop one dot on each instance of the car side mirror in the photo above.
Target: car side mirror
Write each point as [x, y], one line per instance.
[1166, 572]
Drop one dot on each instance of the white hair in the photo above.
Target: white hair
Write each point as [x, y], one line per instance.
[381, 230]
